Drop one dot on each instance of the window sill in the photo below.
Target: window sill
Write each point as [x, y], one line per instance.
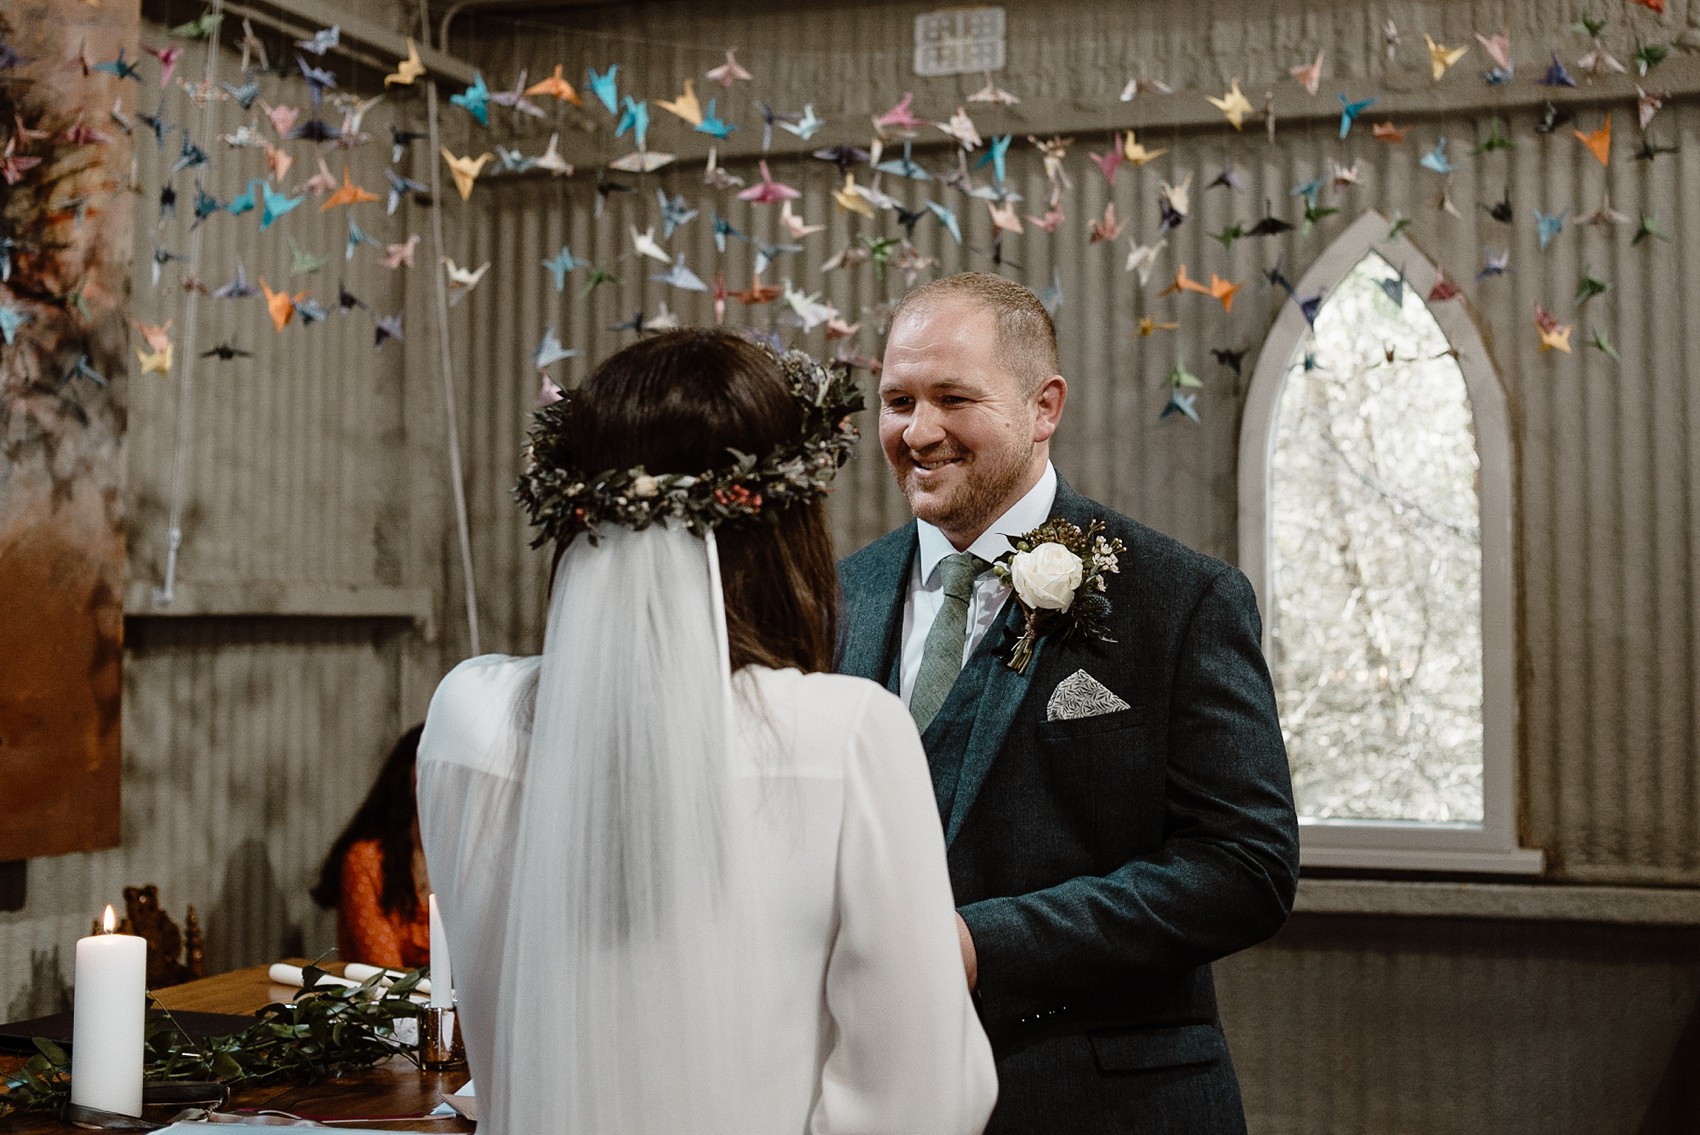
[1524, 902]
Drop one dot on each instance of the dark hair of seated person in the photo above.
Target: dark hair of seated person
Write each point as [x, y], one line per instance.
[389, 814]
[679, 402]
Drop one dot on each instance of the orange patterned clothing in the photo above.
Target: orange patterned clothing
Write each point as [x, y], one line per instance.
[365, 931]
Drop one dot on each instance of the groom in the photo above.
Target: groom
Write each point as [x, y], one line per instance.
[1118, 815]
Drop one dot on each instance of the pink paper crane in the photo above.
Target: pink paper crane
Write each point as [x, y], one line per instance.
[769, 191]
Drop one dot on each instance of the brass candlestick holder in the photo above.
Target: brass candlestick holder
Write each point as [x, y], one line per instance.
[440, 1046]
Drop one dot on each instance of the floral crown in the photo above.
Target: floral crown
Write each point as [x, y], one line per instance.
[561, 501]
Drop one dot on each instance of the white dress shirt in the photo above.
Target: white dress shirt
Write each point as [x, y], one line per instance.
[926, 588]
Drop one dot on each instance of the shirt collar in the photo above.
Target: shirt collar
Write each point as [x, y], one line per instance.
[1026, 514]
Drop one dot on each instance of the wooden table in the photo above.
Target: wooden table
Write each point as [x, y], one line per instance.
[393, 1088]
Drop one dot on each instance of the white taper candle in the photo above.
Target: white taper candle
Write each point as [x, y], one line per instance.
[442, 981]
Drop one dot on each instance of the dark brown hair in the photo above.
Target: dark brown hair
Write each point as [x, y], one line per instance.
[678, 403]
[388, 815]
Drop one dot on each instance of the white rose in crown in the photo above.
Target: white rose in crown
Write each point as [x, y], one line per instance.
[1047, 577]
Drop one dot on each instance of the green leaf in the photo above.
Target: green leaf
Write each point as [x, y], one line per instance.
[54, 1054]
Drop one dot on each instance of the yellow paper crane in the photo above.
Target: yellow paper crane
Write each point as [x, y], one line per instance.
[465, 170]
[1135, 151]
[408, 69]
[685, 106]
[156, 362]
[1440, 57]
[1233, 105]
[850, 200]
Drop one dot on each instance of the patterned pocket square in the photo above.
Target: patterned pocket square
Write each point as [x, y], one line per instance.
[1081, 695]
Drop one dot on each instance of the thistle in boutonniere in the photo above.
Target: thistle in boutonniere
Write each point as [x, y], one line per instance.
[1058, 573]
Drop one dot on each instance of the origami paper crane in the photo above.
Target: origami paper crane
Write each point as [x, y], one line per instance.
[1142, 258]
[1443, 289]
[302, 262]
[685, 106]
[401, 255]
[226, 351]
[201, 27]
[1498, 264]
[1649, 227]
[408, 69]
[679, 276]
[728, 72]
[634, 116]
[1554, 335]
[1558, 75]
[1233, 105]
[1598, 142]
[280, 305]
[475, 100]
[1229, 358]
[348, 194]
[465, 171]
[462, 280]
[1590, 286]
[1309, 75]
[996, 153]
[604, 87]
[991, 93]
[1599, 62]
[1436, 158]
[556, 86]
[1148, 326]
[1549, 225]
[850, 199]
[1387, 132]
[961, 127]
[1603, 215]
[769, 191]
[795, 225]
[156, 362]
[1604, 345]
[560, 264]
[1106, 228]
[806, 124]
[1136, 153]
[318, 79]
[1349, 112]
[641, 161]
[1501, 210]
[645, 245]
[1138, 83]
[274, 204]
[1442, 57]
[899, 118]
[1496, 140]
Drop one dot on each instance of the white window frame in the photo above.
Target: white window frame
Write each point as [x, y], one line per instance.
[1491, 846]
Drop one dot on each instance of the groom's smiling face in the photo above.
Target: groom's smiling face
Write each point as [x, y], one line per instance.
[965, 437]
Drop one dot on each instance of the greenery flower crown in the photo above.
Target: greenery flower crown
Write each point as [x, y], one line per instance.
[561, 501]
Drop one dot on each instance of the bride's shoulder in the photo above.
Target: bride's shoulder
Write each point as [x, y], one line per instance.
[840, 699]
[477, 705]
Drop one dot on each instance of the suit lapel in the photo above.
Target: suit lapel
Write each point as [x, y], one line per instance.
[1000, 698]
[1004, 689]
[874, 598]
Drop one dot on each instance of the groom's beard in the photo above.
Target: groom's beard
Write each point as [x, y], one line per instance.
[977, 492]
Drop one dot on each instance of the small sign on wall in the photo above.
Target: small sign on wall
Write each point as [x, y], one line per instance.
[959, 41]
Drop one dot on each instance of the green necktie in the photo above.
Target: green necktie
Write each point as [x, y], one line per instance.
[941, 658]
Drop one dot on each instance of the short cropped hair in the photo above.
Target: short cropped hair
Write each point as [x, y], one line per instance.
[1026, 337]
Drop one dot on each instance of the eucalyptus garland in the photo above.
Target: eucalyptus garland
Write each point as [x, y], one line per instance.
[563, 501]
[324, 1031]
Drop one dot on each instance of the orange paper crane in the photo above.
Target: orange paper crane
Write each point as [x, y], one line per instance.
[348, 194]
[558, 86]
[1387, 132]
[1223, 290]
[1599, 142]
[1651, 5]
[281, 305]
[1149, 326]
[1184, 283]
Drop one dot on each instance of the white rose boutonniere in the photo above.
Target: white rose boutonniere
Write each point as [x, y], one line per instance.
[1047, 577]
[1057, 571]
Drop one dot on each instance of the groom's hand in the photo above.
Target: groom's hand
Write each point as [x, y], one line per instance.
[970, 965]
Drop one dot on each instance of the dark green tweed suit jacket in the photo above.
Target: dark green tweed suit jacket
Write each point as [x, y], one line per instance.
[1103, 863]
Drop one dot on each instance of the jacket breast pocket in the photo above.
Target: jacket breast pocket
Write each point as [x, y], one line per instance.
[1106, 773]
[1139, 1050]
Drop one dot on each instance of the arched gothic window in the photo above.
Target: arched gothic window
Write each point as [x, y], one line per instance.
[1375, 523]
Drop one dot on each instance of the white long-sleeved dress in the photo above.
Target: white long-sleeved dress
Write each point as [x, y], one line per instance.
[872, 1028]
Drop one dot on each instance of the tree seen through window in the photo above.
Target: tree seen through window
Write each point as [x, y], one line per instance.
[1376, 566]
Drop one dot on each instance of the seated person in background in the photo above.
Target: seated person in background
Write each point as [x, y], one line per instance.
[374, 874]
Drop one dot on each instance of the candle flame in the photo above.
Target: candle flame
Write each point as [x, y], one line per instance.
[108, 922]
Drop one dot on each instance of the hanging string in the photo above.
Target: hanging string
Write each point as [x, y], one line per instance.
[451, 421]
[163, 596]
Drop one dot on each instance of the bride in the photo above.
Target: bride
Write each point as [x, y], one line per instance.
[692, 881]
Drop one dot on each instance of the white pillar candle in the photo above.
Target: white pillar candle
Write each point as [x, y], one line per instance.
[109, 1007]
[442, 982]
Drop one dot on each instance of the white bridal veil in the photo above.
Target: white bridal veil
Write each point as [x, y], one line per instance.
[619, 1003]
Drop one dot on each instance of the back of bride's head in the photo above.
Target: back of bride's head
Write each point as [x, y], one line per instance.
[681, 402]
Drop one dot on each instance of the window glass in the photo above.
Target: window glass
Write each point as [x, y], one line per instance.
[1376, 566]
